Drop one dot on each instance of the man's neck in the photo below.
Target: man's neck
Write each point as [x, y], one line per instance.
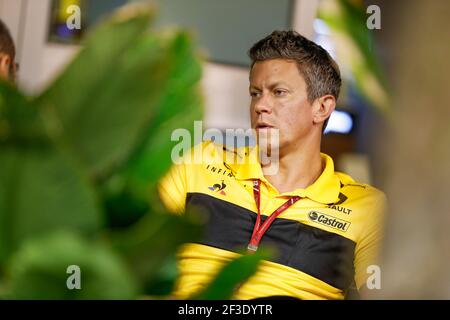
[297, 168]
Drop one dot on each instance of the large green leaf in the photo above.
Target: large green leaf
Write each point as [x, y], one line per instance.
[94, 66]
[163, 281]
[42, 190]
[20, 121]
[180, 106]
[130, 188]
[39, 270]
[149, 243]
[105, 99]
[144, 170]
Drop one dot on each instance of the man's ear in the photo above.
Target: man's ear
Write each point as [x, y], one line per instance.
[323, 107]
[5, 66]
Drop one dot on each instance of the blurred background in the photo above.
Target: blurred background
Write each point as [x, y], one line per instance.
[391, 127]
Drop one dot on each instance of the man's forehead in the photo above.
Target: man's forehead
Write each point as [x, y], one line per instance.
[275, 71]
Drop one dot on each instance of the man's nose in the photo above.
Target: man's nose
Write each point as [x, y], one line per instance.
[263, 104]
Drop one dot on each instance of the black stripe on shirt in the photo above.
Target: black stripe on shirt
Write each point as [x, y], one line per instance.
[324, 255]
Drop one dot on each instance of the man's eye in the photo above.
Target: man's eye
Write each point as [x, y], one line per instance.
[254, 94]
[279, 92]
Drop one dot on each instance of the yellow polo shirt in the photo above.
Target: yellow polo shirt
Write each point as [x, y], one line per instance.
[324, 242]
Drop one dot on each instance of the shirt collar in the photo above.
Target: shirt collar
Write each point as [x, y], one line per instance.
[324, 190]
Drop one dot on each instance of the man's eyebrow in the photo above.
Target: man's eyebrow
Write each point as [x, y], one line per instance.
[271, 86]
[278, 84]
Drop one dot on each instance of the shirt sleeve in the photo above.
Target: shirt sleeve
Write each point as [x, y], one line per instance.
[172, 188]
[178, 181]
[368, 247]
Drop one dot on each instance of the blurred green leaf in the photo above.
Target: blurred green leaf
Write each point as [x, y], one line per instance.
[179, 107]
[42, 190]
[20, 122]
[354, 21]
[39, 270]
[124, 209]
[137, 87]
[232, 276]
[148, 244]
[94, 66]
[163, 282]
[104, 99]
[347, 20]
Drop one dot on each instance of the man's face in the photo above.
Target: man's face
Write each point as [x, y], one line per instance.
[279, 100]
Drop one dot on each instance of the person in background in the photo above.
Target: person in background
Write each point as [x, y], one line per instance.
[326, 227]
[8, 67]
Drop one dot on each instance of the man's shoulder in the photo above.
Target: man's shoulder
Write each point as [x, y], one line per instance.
[356, 189]
[366, 202]
[203, 152]
[210, 152]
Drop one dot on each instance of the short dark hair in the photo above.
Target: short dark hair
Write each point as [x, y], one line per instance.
[320, 71]
[6, 42]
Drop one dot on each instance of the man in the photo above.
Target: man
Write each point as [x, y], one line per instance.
[8, 67]
[324, 226]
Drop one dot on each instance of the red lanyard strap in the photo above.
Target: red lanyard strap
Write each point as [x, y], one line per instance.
[259, 230]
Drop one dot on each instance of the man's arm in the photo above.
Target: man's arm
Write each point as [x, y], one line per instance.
[367, 253]
[172, 189]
